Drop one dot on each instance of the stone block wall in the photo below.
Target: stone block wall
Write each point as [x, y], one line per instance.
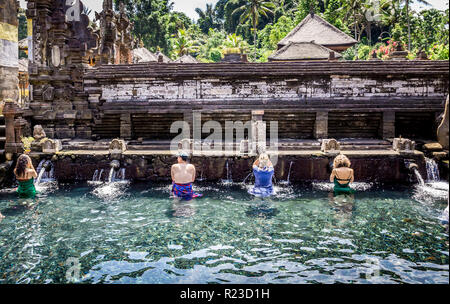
[354, 99]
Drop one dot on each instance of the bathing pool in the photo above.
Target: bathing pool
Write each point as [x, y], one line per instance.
[134, 233]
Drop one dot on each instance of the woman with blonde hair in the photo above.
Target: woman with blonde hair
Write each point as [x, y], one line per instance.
[263, 171]
[342, 175]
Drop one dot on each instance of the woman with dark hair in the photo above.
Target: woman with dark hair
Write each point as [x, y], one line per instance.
[342, 175]
[25, 174]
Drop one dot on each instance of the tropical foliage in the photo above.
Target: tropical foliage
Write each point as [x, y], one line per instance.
[256, 26]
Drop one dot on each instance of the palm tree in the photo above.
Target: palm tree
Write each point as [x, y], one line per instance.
[353, 9]
[183, 44]
[207, 18]
[409, 19]
[252, 10]
[236, 42]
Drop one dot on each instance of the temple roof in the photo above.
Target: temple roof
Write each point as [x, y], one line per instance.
[141, 55]
[313, 27]
[186, 59]
[296, 51]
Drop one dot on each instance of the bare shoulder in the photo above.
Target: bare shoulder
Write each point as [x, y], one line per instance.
[191, 167]
[175, 166]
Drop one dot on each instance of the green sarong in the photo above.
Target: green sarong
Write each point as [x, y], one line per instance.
[340, 189]
[26, 189]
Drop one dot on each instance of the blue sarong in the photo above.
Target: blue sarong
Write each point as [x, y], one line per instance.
[185, 191]
[263, 182]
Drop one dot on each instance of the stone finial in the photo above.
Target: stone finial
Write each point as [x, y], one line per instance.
[399, 53]
[332, 56]
[404, 145]
[244, 147]
[421, 55]
[330, 146]
[51, 146]
[374, 56]
[117, 146]
[160, 58]
[38, 132]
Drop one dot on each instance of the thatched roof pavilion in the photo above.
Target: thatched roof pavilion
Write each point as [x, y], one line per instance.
[143, 55]
[299, 51]
[186, 59]
[313, 27]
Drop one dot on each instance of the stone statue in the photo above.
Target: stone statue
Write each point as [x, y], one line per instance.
[51, 146]
[404, 146]
[38, 133]
[330, 145]
[117, 146]
[442, 133]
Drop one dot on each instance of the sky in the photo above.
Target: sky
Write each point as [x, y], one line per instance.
[188, 6]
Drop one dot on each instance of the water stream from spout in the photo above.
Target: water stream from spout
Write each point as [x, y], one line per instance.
[289, 174]
[44, 174]
[248, 176]
[112, 175]
[229, 177]
[432, 170]
[419, 177]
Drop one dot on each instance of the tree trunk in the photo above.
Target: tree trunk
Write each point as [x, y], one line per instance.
[254, 34]
[409, 25]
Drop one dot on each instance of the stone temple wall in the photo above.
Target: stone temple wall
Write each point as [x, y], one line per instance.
[9, 55]
[375, 99]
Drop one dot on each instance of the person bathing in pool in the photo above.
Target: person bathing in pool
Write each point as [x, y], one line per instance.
[263, 171]
[183, 176]
[342, 175]
[25, 175]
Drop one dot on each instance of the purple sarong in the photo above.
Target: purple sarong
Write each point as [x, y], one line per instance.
[184, 191]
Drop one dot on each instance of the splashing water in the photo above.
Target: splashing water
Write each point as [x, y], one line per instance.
[114, 188]
[358, 186]
[111, 191]
[432, 170]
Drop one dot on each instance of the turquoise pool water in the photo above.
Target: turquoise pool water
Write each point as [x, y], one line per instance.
[123, 233]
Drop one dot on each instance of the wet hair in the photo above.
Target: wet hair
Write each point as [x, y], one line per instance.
[341, 161]
[21, 166]
[263, 160]
[184, 158]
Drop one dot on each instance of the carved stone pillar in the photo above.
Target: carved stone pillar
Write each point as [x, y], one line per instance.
[125, 126]
[388, 125]
[259, 133]
[9, 51]
[188, 117]
[12, 144]
[321, 125]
